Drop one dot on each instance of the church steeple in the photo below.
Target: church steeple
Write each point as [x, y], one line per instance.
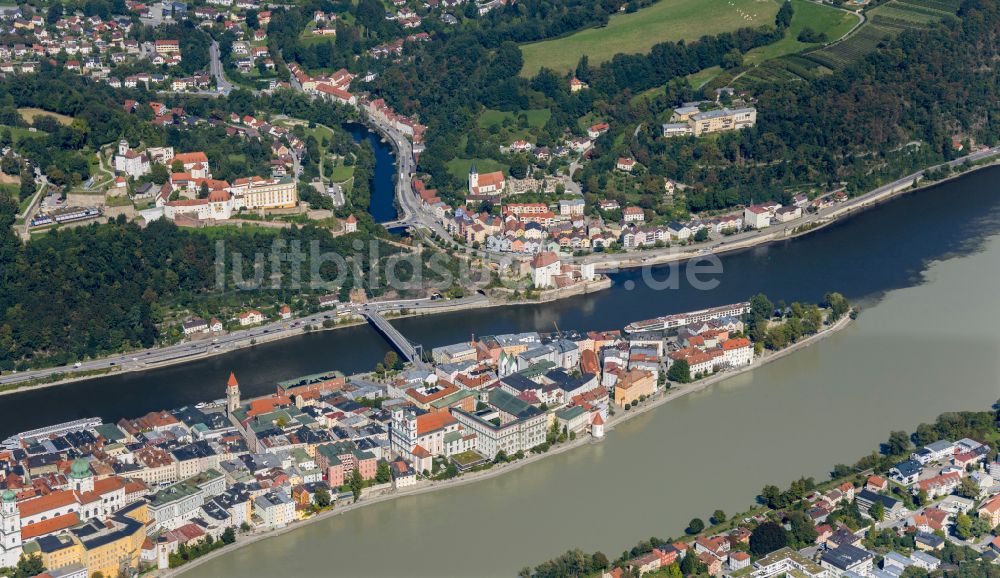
[232, 394]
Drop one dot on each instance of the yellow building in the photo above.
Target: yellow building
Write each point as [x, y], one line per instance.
[107, 546]
[633, 385]
[722, 120]
[271, 194]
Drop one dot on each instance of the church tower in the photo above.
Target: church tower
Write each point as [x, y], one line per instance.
[473, 178]
[81, 477]
[10, 530]
[232, 394]
[122, 147]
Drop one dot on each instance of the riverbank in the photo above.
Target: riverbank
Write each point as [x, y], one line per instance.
[430, 486]
[286, 333]
[898, 188]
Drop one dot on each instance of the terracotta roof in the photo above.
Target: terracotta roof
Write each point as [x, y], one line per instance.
[544, 259]
[232, 380]
[598, 420]
[50, 526]
[191, 158]
[429, 422]
[43, 504]
[736, 343]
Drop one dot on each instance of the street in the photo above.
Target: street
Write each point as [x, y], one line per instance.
[149, 358]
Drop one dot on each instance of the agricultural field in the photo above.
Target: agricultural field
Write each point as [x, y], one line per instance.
[667, 20]
[885, 21]
[29, 114]
[821, 18]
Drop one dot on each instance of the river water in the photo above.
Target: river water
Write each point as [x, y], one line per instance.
[383, 207]
[926, 343]
[864, 257]
[924, 266]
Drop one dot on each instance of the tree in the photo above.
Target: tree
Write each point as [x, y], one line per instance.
[599, 561]
[321, 497]
[500, 458]
[383, 474]
[770, 495]
[691, 565]
[761, 309]
[203, 190]
[963, 526]
[356, 483]
[803, 531]
[968, 488]
[718, 517]
[898, 444]
[519, 167]
[732, 59]
[680, 371]
[701, 235]
[784, 16]
[28, 566]
[695, 526]
[767, 538]
[229, 535]
[877, 511]
[391, 360]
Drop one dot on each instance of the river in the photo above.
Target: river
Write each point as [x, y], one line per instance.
[383, 208]
[864, 257]
[926, 343]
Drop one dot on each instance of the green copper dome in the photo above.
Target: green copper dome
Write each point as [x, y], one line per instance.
[8, 496]
[80, 469]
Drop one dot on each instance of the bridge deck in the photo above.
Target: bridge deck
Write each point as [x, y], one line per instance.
[413, 353]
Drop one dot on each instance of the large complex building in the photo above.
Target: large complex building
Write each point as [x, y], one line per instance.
[700, 123]
[508, 424]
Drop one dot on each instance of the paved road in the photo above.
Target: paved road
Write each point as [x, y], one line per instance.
[215, 67]
[149, 358]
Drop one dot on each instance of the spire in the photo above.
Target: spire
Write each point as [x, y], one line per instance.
[472, 168]
[232, 380]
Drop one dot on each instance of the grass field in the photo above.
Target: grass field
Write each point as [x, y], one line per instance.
[667, 20]
[341, 173]
[460, 167]
[17, 133]
[821, 18]
[29, 114]
[536, 117]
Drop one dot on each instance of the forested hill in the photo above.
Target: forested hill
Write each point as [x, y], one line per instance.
[925, 86]
[893, 111]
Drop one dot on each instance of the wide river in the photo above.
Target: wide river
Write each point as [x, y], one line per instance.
[925, 267]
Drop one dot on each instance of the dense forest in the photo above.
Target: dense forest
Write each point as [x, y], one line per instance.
[93, 290]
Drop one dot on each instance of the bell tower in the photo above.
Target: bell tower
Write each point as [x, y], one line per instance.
[232, 394]
[10, 530]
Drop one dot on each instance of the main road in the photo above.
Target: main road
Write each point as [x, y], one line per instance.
[158, 356]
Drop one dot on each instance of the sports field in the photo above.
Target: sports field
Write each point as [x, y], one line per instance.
[667, 20]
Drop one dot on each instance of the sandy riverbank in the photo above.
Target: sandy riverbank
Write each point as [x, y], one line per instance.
[425, 487]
